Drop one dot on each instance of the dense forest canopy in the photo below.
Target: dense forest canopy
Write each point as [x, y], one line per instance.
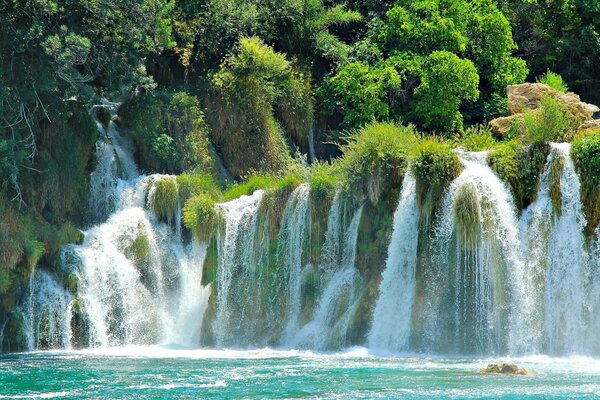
[228, 89]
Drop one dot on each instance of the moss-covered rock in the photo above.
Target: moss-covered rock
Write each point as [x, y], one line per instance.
[435, 165]
[521, 167]
[375, 159]
[586, 155]
[164, 198]
[201, 216]
[467, 216]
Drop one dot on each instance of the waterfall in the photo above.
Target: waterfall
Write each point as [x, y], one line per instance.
[333, 315]
[554, 247]
[237, 283]
[47, 313]
[392, 316]
[475, 253]
[293, 237]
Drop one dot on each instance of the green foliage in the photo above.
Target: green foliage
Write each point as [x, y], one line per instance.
[164, 198]
[586, 155]
[561, 36]
[324, 178]
[556, 170]
[358, 91]
[467, 215]
[553, 80]
[169, 131]
[435, 165]
[190, 184]
[521, 167]
[477, 138]
[270, 183]
[250, 84]
[446, 82]
[201, 216]
[551, 121]
[376, 157]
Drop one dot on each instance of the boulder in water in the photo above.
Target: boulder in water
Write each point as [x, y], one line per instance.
[504, 368]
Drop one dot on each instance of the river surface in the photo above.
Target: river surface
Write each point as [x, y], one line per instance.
[162, 372]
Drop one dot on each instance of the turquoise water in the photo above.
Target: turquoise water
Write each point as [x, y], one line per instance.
[156, 372]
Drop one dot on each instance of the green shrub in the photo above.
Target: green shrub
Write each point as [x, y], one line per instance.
[323, 180]
[435, 165]
[376, 157]
[477, 138]
[169, 131]
[250, 85]
[586, 155]
[550, 122]
[201, 216]
[553, 80]
[164, 198]
[270, 183]
[190, 184]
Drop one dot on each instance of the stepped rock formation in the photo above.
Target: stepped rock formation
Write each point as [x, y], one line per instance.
[526, 96]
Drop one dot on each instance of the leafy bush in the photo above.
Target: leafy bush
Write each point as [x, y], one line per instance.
[252, 83]
[164, 198]
[201, 216]
[586, 155]
[375, 158]
[550, 122]
[169, 131]
[467, 212]
[553, 80]
[477, 138]
[435, 165]
[323, 180]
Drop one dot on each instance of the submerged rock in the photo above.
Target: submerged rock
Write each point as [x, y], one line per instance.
[504, 368]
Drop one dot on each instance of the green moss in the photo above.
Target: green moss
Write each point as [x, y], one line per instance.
[271, 183]
[103, 115]
[435, 165]
[72, 283]
[467, 214]
[521, 167]
[586, 155]
[201, 216]
[164, 198]
[556, 170]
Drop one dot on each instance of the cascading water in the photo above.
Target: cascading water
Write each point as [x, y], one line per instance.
[554, 247]
[238, 288]
[480, 283]
[475, 252]
[293, 237]
[339, 300]
[392, 317]
[47, 313]
[137, 282]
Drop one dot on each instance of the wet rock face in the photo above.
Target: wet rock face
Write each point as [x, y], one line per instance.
[504, 368]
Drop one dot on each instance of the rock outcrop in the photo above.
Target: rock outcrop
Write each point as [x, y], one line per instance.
[504, 368]
[526, 96]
